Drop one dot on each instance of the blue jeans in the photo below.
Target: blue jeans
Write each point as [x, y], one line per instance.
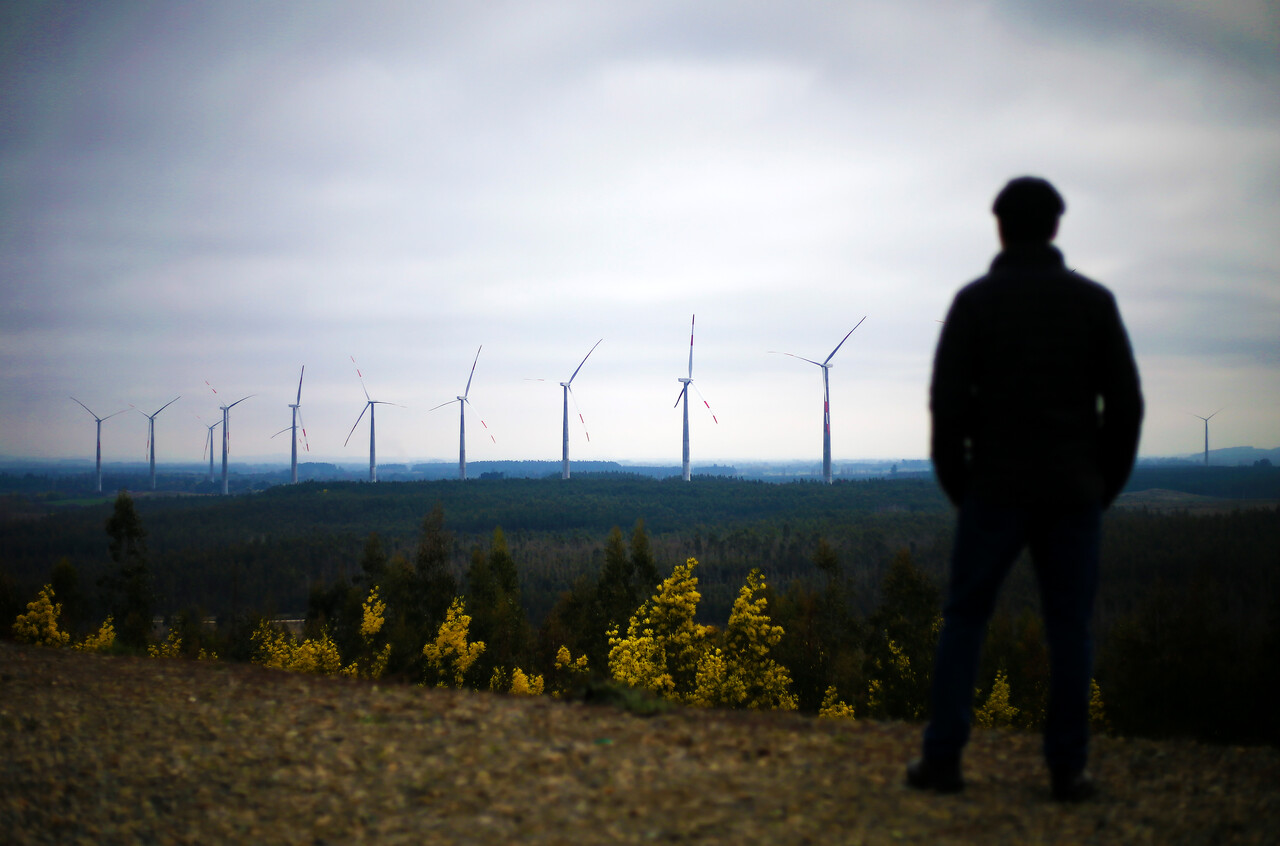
[1064, 544]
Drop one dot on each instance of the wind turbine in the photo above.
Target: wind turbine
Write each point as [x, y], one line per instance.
[564, 460]
[151, 436]
[226, 433]
[684, 395]
[463, 402]
[208, 443]
[825, 364]
[368, 406]
[1206, 434]
[293, 427]
[99, 421]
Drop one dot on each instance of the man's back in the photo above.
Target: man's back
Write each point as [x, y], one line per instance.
[1034, 376]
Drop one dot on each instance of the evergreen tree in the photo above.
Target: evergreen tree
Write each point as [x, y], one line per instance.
[644, 567]
[902, 636]
[129, 586]
[494, 599]
[373, 561]
[65, 581]
[616, 589]
[434, 584]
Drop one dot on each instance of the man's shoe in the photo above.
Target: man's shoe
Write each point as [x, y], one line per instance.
[1073, 787]
[923, 774]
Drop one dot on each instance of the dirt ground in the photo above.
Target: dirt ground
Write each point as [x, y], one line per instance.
[99, 749]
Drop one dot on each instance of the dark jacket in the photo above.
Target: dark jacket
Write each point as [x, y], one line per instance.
[1035, 394]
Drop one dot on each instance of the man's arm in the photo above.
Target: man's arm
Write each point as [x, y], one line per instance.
[1121, 405]
[950, 399]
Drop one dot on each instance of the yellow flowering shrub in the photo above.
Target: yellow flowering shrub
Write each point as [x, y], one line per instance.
[742, 674]
[663, 645]
[1097, 710]
[996, 711]
[39, 625]
[568, 671]
[525, 685]
[372, 664]
[833, 707]
[374, 615]
[99, 641]
[893, 681]
[450, 655]
[171, 648]
[209, 655]
[282, 651]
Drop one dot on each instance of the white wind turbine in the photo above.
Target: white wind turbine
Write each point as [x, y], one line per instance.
[684, 395]
[151, 436]
[564, 460]
[825, 364]
[463, 402]
[99, 421]
[1206, 434]
[208, 442]
[226, 433]
[368, 406]
[296, 405]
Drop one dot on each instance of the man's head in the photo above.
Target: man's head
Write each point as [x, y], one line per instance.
[1028, 209]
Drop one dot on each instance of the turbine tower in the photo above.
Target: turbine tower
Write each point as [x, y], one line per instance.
[151, 436]
[825, 364]
[684, 395]
[226, 434]
[99, 421]
[463, 402]
[564, 459]
[368, 406]
[1206, 434]
[296, 405]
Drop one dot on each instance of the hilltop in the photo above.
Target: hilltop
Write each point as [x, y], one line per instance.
[116, 749]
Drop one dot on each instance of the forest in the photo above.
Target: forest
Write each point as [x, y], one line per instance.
[1188, 622]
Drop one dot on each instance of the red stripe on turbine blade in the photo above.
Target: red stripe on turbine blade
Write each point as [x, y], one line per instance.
[713, 417]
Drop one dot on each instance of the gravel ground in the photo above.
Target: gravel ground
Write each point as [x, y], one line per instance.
[100, 749]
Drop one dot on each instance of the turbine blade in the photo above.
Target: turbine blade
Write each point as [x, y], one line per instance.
[282, 431]
[242, 399]
[85, 407]
[298, 401]
[357, 423]
[303, 428]
[481, 419]
[359, 376]
[467, 392]
[704, 402]
[584, 359]
[680, 395]
[691, 322]
[211, 387]
[578, 409]
[842, 340]
[441, 405]
[793, 355]
[167, 404]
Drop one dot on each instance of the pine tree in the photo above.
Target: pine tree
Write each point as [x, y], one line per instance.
[902, 636]
[130, 586]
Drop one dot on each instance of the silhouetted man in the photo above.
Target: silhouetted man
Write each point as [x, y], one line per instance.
[1036, 412]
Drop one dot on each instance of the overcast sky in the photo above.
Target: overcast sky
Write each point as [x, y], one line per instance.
[228, 191]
